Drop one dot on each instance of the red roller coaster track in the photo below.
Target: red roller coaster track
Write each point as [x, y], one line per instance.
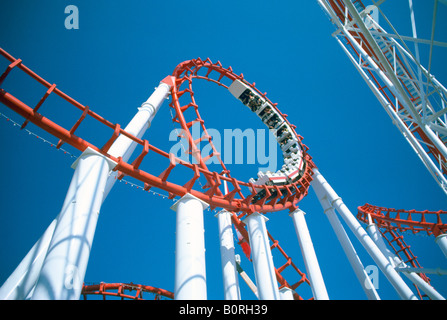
[240, 197]
[393, 221]
[413, 221]
[124, 291]
[243, 198]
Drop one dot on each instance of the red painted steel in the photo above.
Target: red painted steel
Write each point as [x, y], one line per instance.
[124, 291]
[430, 222]
[393, 221]
[238, 200]
[396, 241]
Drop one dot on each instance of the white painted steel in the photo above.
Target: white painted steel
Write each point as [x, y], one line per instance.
[360, 233]
[419, 150]
[310, 258]
[347, 246]
[65, 264]
[429, 111]
[436, 271]
[286, 293]
[228, 262]
[264, 269]
[190, 269]
[123, 147]
[398, 263]
[441, 240]
[21, 282]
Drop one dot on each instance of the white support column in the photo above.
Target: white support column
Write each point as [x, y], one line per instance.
[24, 278]
[441, 240]
[393, 277]
[123, 146]
[65, 264]
[190, 269]
[310, 258]
[398, 263]
[286, 293]
[262, 257]
[229, 270]
[347, 246]
[437, 271]
[20, 283]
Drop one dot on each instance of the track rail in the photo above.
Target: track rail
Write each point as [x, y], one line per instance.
[429, 222]
[396, 241]
[124, 291]
[271, 197]
[243, 198]
[392, 222]
[239, 199]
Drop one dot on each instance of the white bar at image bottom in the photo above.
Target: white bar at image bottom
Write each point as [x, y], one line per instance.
[190, 269]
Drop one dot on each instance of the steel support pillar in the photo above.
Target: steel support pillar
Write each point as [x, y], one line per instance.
[441, 240]
[65, 264]
[310, 258]
[347, 246]
[124, 146]
[262, 257]
[398, 263]
[190, 269]
[229, 270]
[382, 262]
[286, 293]
[20, 284]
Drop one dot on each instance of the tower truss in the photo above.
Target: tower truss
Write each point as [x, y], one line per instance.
[413, 98]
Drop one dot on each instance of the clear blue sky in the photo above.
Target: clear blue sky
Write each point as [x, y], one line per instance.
[120, 53]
